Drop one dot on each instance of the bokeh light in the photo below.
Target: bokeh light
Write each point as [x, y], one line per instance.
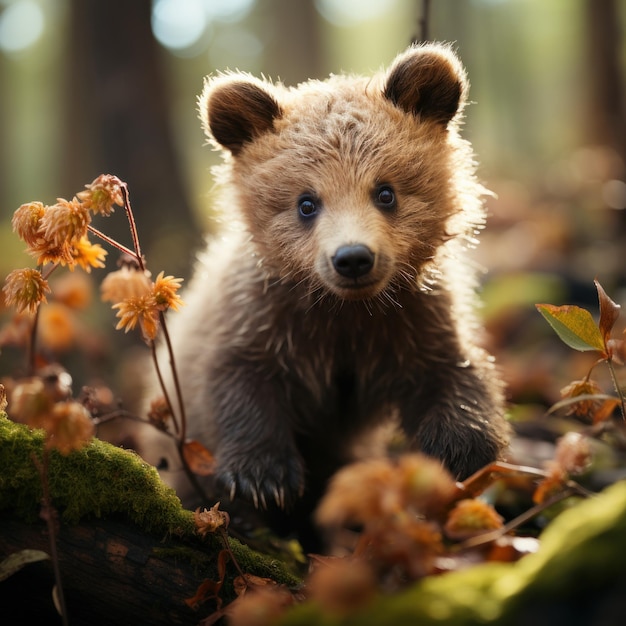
[350, 12]
[181, 25]
[21, 25]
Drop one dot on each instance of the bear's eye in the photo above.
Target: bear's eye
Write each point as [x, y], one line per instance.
[385, 197]
[308, 205]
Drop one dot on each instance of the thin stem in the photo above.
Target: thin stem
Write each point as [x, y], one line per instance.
[48, 514]
[166, 395]
[112, 242]
[181, 433]
[32, 348]
[224, 536]
[177, 387]
[132, 225]
[487, 475]
[618, 389]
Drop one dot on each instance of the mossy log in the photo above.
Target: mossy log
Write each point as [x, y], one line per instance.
[130, 554]
[128, 551]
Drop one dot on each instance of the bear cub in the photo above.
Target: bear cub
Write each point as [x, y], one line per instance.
[338, 296]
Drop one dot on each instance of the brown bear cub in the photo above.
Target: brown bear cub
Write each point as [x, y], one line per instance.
[342, 298]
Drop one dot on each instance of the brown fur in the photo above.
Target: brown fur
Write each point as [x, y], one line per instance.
[286, 360]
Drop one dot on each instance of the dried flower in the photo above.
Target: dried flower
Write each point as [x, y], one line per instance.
[426, 485]
[87, 254]
[209, 520]
[25, 289]
[343, 585]
[73, 290]
[360, 492]
[64, 222]
[30, 402]
[261, 607]
[17, 332]
[160, 413]
[27, 220]
[378, 488]
[140, 310]
[46, 252]
[70, 427]
[407, 542]
[584, 408]
[102, 194]
[164, 291]
[573, 453]
[125, 283]
[56, 329]
[471, 517]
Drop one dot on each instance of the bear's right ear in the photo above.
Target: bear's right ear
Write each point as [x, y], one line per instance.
[427, 81]
[236, 110]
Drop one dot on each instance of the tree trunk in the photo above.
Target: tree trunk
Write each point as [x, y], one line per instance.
[118, 123]
[112, 573]
[606, 73]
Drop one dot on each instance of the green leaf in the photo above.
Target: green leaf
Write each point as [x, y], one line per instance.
[574, 326]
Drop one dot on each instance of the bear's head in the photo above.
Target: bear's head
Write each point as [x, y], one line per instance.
[350, 186]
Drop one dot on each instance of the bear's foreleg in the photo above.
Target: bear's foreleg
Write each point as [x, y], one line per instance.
[457, 417]
[256, 454]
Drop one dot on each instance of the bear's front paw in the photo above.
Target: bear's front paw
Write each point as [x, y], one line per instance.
[263, 478]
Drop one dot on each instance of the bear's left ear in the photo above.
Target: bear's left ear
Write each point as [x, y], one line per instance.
[427, 81]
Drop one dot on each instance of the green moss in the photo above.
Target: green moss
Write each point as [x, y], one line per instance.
[101, 481]
[98, 480]
[576, 576]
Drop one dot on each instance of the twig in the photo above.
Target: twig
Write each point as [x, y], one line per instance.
[224, 536]
[133, 227]
[48, 514]
[618, 389]
[114, 243]
[485, 476]
[177, 387]
[162, 385]
[32, 348]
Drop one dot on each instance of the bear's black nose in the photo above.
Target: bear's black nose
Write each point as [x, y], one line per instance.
[353, 261]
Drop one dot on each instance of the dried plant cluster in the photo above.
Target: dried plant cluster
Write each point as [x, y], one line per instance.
[58, 236]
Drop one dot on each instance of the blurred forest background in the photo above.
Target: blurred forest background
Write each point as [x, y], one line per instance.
[110, 86]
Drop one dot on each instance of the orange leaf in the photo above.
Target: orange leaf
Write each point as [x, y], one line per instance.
[199, 459]
[210, 589]
[241, 584]
[207, 590]
[574, 326]
[609, 312]
[606, 410]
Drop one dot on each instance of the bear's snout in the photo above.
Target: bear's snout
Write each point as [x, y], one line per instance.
[353, 261]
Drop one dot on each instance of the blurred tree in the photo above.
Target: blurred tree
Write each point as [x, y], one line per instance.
[606, 75]
[293, 45]
[118, 122]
